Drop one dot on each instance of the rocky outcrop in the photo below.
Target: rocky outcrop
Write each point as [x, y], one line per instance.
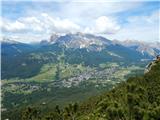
[151, 64]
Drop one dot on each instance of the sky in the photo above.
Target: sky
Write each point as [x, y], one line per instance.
[33, 20]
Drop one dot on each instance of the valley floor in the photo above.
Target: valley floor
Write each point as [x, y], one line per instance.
[74, 83]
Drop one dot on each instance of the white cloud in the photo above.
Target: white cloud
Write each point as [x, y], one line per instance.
[21, 25]
[59, 25]
[150, 19]
[104, 25]
[12, 26]
[44, 23]
[32, 24]
[144, 28]
[88, 10]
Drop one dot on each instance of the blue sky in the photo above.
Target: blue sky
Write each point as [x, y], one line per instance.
[31, 20]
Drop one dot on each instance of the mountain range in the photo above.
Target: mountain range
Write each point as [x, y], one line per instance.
[89, 41]
[75, 48]
[151, 49]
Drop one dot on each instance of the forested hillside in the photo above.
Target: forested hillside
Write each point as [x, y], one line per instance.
[136, 99]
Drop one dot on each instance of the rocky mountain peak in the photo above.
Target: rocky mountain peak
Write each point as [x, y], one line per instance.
[53, 38]
[80, 40]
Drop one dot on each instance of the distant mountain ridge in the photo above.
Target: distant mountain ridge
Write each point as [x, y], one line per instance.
[14, 48]
[97, 43]
[152, 48]
[79, 40]
[78, 48]
[94, 43]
